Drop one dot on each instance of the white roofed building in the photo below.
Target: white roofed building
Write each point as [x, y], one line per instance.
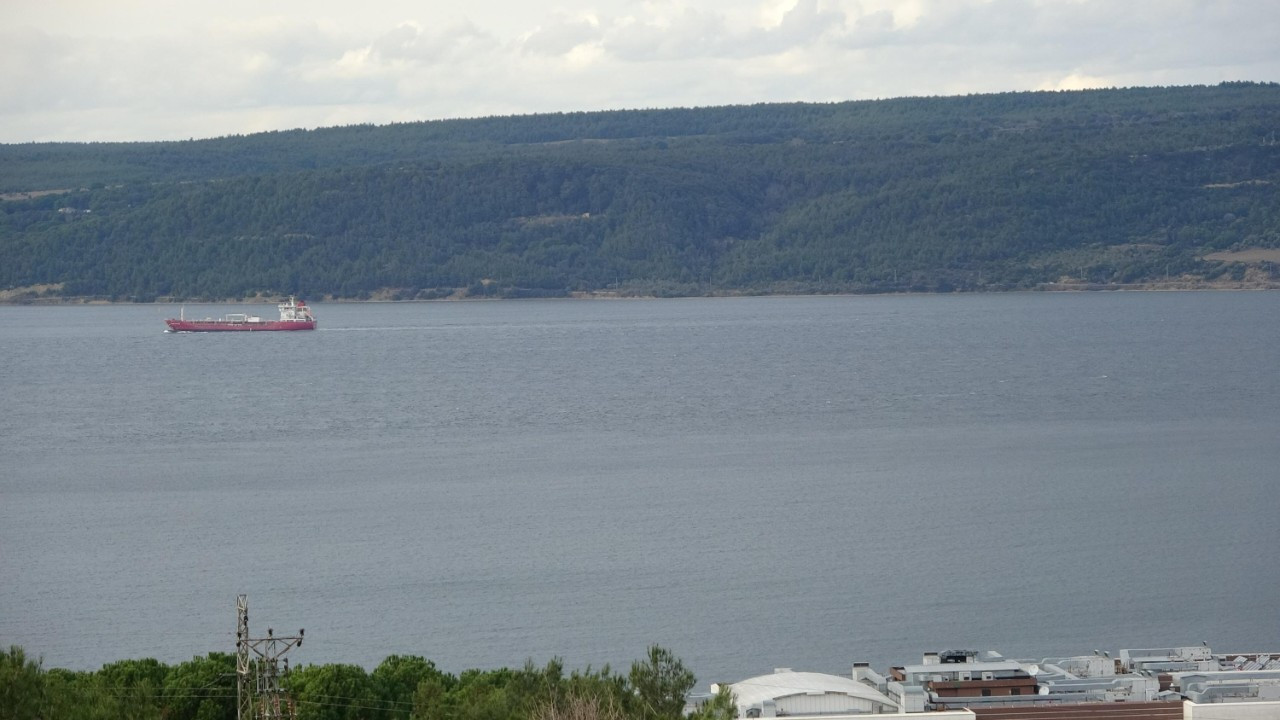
[788, 693]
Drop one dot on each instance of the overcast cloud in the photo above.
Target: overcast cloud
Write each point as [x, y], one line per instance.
[174, 69]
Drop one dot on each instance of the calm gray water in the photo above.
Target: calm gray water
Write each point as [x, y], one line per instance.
[800, 482]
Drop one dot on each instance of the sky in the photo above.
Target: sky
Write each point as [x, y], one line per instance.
[106, 70]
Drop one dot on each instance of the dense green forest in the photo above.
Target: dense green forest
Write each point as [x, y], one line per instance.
[400, 688]
[983, 192]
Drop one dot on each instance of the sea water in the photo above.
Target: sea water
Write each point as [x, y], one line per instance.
[757, 482]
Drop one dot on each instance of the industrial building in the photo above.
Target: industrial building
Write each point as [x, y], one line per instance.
[1182, 683]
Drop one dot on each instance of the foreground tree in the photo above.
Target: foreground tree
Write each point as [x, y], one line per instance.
[721, 706]
[661, 683]
[397, 678]
[203, 688]
[334, 692]
[576, 706]
[22, 687]
[400, 688]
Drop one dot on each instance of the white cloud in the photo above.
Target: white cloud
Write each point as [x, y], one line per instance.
[561, 37]
[145, 69]
[1075, 81]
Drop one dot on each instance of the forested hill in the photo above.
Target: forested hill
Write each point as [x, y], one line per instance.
[1000, 191]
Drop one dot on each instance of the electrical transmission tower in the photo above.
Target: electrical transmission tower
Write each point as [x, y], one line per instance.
[260, 674]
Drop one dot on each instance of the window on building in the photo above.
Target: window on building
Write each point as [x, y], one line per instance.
[986, 692]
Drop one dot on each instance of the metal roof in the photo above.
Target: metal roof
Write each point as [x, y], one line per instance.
[977, 667]
[756, 690]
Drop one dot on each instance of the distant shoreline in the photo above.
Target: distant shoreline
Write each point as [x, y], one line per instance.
[15, 298]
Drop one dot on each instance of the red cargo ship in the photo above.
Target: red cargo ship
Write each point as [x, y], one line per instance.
[294, 315]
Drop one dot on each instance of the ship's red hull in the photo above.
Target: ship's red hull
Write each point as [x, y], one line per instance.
[177, 325]
[294, 315]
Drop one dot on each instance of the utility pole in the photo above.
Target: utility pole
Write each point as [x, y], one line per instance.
[273, 702]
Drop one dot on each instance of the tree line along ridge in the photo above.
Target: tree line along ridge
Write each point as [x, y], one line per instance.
[1100, 188]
